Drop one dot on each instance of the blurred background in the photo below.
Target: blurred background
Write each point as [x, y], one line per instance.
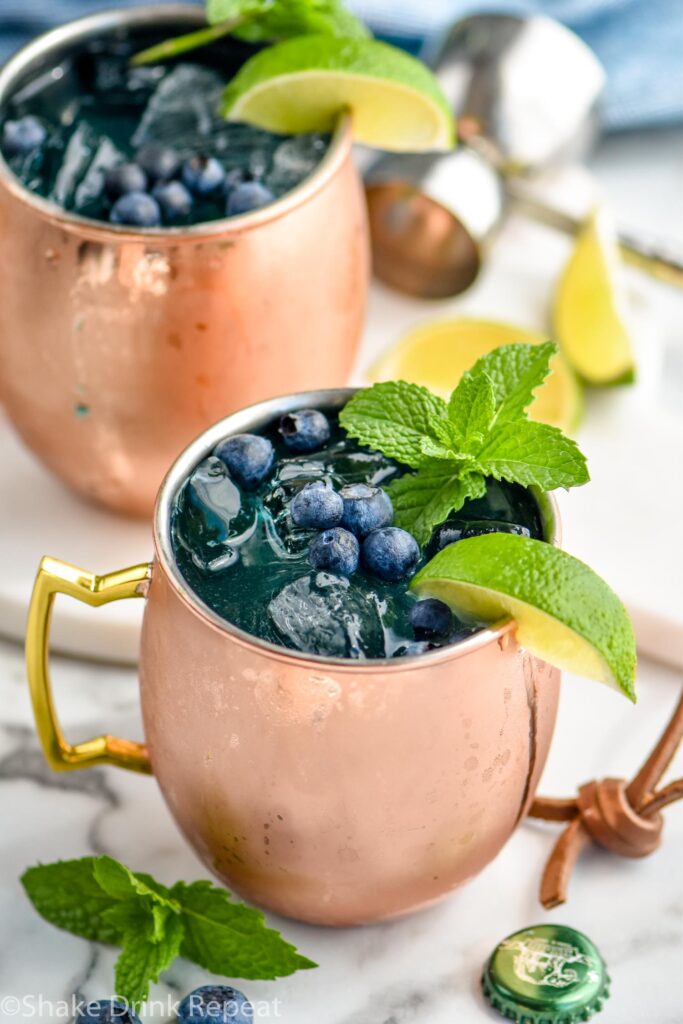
[639, 42]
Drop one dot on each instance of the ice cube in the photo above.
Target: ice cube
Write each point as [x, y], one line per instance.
[183, 107]
[212, 518]
[83, 142]
[244, 148]
[300, 154]
[346, 466]
[325, 614]
[144, 78]
[293, 160]
[286, 539]
[89, 192]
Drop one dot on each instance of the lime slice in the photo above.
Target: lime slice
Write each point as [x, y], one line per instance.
[589, 308]
[565, 613]
[303, 84]
[436, 354]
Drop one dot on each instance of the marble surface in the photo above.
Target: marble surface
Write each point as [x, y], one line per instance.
[421, 969]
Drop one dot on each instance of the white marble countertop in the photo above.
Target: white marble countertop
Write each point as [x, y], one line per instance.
[425, 968]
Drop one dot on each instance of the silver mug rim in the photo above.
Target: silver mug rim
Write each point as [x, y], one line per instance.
[257, 416]
[149, 14]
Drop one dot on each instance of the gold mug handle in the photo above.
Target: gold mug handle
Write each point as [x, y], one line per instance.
[57, 577]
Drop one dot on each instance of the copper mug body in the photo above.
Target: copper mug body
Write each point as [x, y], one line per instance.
[329, 790]
[118, 346]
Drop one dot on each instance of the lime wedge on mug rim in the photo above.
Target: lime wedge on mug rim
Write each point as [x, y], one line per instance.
[564, 612]
[304, 84]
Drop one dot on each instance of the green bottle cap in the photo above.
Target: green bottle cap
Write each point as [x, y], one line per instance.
[549, 974]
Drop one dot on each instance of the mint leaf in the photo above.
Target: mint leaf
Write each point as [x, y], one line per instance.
[471, 408]
[529, 453]
[394, 417]
[425, 499]
[121, 883]
[67, 895]
[483, 431]
[515, 372]
[143, 914]
[436, 450]
[142, 961]
[259, 21]
[283, 19]
[230, 10]
[231, 938]
[104, 901]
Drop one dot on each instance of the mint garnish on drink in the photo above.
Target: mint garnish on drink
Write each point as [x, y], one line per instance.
[103, 901]
[483, 431]
[258, 21]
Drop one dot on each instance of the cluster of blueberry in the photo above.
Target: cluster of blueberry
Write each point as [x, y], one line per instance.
[210, 1004]
[175, 185]
[354, 522]
[158, 187]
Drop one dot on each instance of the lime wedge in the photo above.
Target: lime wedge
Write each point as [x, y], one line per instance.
[436, 354]
[305, 83]
[589, 308]
[565, 613]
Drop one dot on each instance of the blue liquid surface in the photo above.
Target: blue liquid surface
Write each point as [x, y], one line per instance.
[244, 558]
[98, 112]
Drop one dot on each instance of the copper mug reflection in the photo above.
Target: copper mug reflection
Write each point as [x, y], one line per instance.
[330, 790]
[118, 346]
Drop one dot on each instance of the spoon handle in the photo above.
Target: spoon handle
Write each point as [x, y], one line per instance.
[656, 258]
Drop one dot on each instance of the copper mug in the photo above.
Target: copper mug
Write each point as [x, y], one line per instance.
[118, 345]
[330, 790]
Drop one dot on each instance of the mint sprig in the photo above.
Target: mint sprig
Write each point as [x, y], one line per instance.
[483, 431]
[258, 21]
[102, 900]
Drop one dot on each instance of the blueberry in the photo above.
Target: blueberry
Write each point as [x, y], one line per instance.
[391, 553]
[215, 1004]
[250, 195]
[174, 200]
[365, 508]
[454, 530]
[249, 458]
[203, 175]
[23, 136]
[305, 430]
[316, 507]
[431, 619]
[124, 178]
[106, 1011]
[233, 178]
[335, 550]
[160, 163]
[137, 209]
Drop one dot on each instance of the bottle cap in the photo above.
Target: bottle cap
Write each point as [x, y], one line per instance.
[549, 974]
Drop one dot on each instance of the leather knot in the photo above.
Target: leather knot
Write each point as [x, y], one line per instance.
[622, 817]
[611, 821]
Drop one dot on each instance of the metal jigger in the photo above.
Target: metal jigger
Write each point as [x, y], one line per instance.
[526, 94]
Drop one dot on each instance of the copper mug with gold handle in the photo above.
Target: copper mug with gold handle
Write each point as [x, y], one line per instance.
[334, 791]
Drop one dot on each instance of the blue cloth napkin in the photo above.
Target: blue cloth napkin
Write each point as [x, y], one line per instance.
[640, 42]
